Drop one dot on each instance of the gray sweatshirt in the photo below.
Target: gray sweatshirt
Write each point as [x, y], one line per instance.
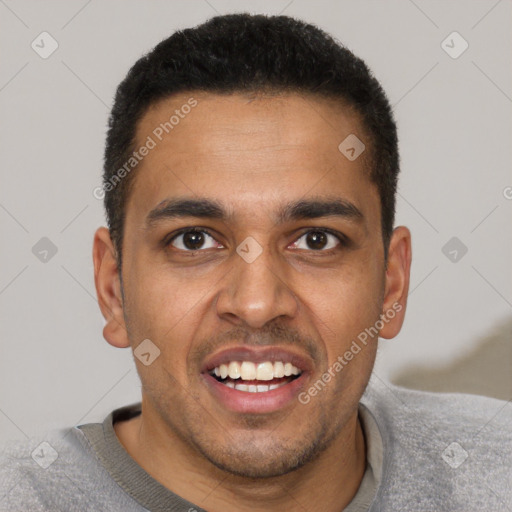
[425, 452]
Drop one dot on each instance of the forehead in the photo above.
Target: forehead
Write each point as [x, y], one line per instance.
[222, 122]
[247, 149]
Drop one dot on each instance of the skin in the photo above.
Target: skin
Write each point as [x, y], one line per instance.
[252, 154]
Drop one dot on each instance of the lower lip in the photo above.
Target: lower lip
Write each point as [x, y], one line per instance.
[254, 403]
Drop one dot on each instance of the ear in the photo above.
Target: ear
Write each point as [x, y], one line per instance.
[397, 282]
[108, 289]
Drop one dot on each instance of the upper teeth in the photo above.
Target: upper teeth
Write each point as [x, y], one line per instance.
[247, 370]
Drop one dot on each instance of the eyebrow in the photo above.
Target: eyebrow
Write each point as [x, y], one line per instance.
[211, 209]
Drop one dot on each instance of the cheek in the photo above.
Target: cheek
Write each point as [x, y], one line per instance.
[165, 310]
[344, 306]
[166, 297]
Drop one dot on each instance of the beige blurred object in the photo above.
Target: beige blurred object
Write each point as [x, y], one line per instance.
[486, 370]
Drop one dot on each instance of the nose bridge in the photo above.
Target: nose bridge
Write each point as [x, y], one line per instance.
[257, 289]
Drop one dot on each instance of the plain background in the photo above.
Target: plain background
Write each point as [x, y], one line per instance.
[454, 118]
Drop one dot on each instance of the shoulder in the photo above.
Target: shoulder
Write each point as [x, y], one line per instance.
[30, 469]
[59, 470]
[445, 412]
[56, 470]
[455, 449]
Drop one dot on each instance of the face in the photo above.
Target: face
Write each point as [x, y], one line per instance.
[252, 260]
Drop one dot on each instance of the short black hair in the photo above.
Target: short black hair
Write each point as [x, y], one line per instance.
[244, 53]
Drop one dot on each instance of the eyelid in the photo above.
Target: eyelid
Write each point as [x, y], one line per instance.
[167, 240]
[342, 238]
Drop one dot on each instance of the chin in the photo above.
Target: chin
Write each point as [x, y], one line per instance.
[252, 458]
[251, 467]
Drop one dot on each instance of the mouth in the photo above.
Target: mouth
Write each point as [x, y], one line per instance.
[250, 380]
[249, 377]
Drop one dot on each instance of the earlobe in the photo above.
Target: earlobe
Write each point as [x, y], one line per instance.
[108, 289]
[397, 282]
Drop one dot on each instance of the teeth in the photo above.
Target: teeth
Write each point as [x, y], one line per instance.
[289, 369]
[234, 370]
[252, 388]
[247, 370]
[223, 371]
[265, 371]
[278, 369]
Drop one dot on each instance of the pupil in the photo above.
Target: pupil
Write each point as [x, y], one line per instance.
[316, 239]
[193, 239]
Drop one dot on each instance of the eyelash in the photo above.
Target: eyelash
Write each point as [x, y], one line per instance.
[341, 238]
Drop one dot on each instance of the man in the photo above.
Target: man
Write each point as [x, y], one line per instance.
[251, 263]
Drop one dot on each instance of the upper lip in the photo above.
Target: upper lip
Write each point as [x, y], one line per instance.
[257, 355]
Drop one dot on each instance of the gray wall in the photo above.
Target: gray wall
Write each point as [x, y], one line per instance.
[455, 127]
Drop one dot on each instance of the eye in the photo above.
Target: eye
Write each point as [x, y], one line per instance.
[318, 240]
[192, 240]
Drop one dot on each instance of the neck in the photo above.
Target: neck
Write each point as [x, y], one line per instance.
[327, 483]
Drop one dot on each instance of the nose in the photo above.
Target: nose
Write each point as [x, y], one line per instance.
[257, 291]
